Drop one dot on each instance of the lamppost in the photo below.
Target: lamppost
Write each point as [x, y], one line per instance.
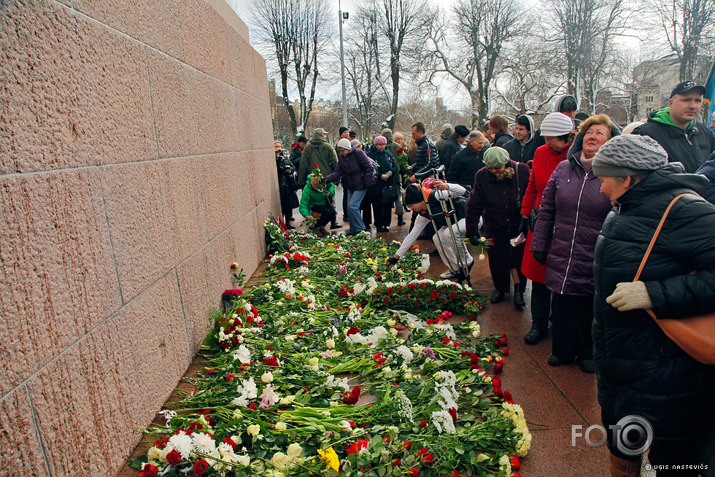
[342, 16]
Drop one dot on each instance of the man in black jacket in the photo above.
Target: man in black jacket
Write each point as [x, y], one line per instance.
[521, 149]
[426, 151]
[676, 128]
[297, 151]
[468, 161]
[453, 145]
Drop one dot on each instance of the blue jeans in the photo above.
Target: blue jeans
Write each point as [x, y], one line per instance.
[354, 217]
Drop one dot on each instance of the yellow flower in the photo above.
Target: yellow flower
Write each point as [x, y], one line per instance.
[330, 458]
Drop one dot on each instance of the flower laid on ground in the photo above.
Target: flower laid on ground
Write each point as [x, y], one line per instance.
[340, 365]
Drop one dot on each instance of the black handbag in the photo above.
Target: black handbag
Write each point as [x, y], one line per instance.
[532, 219]
[390, 192]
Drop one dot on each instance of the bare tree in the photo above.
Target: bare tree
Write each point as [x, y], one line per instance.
[481, 28]
[295, 31]
[686, 23]
[404, 25]
[586, 30]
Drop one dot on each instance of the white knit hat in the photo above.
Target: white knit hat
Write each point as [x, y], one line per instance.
[556, 124]
[345, 144]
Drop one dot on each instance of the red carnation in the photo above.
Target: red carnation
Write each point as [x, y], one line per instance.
[149, 471]
[200, 467]
[161, 442]
[498, 368]
[515, 462]
[505, 351]
[423, 423]
[422, 451]
[355, 448]
[173, 457]
[396, 462]
[453, 412]
[414, 472]
[252, 406]
[496, 381]
[229, 441]
[316, 165]
[428, 458]
[407, 445]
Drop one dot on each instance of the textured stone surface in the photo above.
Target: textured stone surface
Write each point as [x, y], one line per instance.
[155, 217]
[57, 278]
[111, 382]
[20, 444]
[136, 165]
[155, 23]
[228, 189]
[203, 34]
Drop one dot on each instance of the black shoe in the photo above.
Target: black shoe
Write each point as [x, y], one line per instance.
[292, 219]
[556, 361]
[345, 219]
[289, 226]
[534, 336]
[383, 229]
[587, 366]
[497, 296]
[335, 225]
[400, 221]
[518, 296]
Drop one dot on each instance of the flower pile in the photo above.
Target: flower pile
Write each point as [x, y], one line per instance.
[340, 365]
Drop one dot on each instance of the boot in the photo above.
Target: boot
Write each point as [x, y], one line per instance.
[334, 224]
[624, 468]
[518, 296]
[497, 296]
[400, 220]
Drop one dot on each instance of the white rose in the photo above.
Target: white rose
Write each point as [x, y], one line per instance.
[286, 400]
[289, 338]
[253, 430]
[482, 256]
[281, 426]
[330, 343]
[391, 322]
[244, 460]
[281, 461]
[437, 376]
[295, 451]
[153, 454]
[313, 361]
[267, 377]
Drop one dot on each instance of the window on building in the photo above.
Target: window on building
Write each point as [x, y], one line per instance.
[649, 99]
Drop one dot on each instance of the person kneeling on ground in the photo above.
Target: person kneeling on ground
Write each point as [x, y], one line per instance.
[316, 201]
[418, 198]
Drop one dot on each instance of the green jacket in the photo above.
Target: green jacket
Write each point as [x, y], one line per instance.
[392, 146]
[318, 151]
[312, 197]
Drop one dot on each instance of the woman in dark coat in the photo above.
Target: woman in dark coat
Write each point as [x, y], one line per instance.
[287, 184]
[387, 175]
[356, 171]
[640, 370]
[496, 196]
[570, 216]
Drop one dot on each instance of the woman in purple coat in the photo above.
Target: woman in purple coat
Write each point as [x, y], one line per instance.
[571, 214]
[357, 173]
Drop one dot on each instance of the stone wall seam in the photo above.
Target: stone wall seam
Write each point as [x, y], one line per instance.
[37, 429]
[202, 204]
[151, 99]
[111, 244]
[183, 313]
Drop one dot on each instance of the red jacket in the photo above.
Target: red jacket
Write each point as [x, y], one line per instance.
[545, 161]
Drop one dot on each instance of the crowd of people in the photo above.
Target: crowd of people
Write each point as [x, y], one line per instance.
[571, 206]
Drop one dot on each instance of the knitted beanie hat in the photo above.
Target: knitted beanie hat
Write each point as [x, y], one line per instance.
[379, 140]
[345, 144]
[462, 130]
[413, 194]
[342, 129]
[556, 124]
[628, 155]
[355, 143]
[496, 157]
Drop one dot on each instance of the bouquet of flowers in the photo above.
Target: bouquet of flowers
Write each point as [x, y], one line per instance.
[483, 246]
[310, 221]
[340, 365]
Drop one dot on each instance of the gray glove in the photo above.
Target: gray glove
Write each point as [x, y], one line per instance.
[630, 296]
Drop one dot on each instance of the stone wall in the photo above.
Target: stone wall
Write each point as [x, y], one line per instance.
[136, 164]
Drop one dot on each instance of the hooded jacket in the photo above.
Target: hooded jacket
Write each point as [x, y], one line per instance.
[318, 151]
[391, 146]
[523, 152]
[311, 197]
[571, 214]
[691, 146]
[640, 370]
[501, 138]
[464, 166]
[443, 136]
[295, 155]
[355, 169]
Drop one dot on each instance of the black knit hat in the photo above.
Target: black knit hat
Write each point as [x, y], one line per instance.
[413, 194]
[342, 130]
[461, 130]
[302, 138]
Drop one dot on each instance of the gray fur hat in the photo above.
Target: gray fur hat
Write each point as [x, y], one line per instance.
[629, 155]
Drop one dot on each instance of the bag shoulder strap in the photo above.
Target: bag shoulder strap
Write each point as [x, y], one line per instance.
[656, 233]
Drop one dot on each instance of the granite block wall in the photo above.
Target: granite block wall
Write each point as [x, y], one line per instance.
[136, 164]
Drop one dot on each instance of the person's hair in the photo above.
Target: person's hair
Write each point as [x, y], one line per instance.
[601, 119]
[398, 135]
[475, 134]
[499, 122]
[567, 138]
[279, 143]
[581, 116]
[635, 178]
[420, 126]
[523, 120]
